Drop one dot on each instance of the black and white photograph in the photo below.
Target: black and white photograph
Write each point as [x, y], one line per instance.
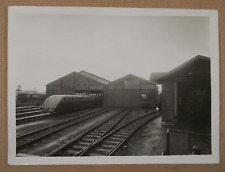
[91, 85]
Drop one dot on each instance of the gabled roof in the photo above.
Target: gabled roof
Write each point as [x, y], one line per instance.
[94, 77]
[157, 75]
[131, 77]
[84, 74]
[198, 64]
[61, 77]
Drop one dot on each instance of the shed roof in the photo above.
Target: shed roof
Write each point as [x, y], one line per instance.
[61, 77]
[94, 77]
[130, 77]
[85, 74]
[157, 75]
[198, 64]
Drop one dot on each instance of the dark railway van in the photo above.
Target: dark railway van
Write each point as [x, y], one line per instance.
[25, 98]
[68, 103]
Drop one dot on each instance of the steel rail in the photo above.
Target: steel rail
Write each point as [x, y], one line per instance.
[25, 107]
[23, 114]
[53, 125]
[34, 117]
[103, 126]
[130, 131]
[27, 110]
[54, 130]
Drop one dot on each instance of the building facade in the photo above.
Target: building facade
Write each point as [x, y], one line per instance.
[77, 82]
[130, 91]
[186, 93]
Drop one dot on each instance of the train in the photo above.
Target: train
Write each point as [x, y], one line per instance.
[59, 104]
[25, 98]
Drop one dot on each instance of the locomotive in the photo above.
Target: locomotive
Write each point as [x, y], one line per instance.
[58, 104]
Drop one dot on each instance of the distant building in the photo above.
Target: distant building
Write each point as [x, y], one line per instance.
[186, 93]
[130, 91]
[25, 98]
[81, 82]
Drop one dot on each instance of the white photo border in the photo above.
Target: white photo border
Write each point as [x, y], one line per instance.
[181, 159]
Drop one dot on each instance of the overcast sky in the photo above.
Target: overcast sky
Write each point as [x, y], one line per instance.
[50, 46]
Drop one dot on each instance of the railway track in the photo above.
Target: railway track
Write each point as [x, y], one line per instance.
[102, 140]
[24, 140]
[33, 117]
[28, 113]
[27, 109]
[84, 140]
[24, 107]
[109, 143]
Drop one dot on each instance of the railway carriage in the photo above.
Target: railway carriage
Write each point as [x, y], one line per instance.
[67, 103]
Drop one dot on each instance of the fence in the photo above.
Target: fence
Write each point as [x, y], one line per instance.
[181, 142]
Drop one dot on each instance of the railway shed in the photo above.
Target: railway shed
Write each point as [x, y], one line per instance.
[25, 98]
[77, 82]
[186, 93]
[130, 91]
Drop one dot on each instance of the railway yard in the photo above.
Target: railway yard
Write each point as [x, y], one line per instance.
[93, 132]
[83, 114]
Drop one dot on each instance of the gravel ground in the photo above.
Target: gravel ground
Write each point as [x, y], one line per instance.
[50, 143]
[43, 122]
[151, 140]
[135, 113]
[148, 140]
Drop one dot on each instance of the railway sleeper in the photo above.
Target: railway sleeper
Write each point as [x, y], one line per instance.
[97, 132]
[115, 138]
[78, 147]
[104, 131]
[83, 143]
[110, 142]
[120, 136]
[94, 135]
[111, 124]
[71, 152]
[128, 129]
[102, 150]
[88, 139]
[96, 154]
[125, 131]
[108, 146]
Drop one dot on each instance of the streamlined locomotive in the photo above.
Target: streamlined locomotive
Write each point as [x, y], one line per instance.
[68, 103]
